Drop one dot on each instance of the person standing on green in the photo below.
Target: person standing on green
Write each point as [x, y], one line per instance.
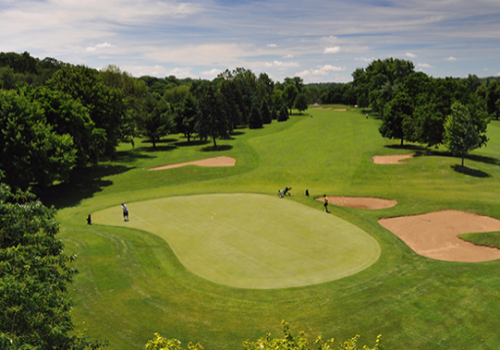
[325, 203]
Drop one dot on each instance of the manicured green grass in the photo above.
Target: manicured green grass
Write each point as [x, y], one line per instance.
[132, 284]
[252, 241]
[490, 239]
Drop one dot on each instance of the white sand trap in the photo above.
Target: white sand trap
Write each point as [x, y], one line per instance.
[435, 235]
[395, 159]
[210, 162]
[360, 202]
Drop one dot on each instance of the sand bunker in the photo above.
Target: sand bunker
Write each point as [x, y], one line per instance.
[217, 161]
[435, 235]
[360, 202]
[391, 159]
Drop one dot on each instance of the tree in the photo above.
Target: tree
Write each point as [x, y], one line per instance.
[156, 120]
[188, 115]
[493, 98]
[30, 151]
[289, 95]
[105, 104]
[300, 102]
[460, 136]
[255, 121]
[395, 113]
[283, 114]
[265, 113]
[66, 116]
[34, 274]
[211, 119]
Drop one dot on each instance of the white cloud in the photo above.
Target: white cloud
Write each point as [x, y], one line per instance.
[303, 74]
[272, 45]
[99, 46]
[327, 69]
[424, 65]
[281, 64]
[334, 49]
[451, 58]
[288, 56]
[411, 55]
[365, 59]
[138, 71]
[183, 72]
[211, 74]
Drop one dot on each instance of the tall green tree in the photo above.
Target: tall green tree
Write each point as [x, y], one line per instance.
[66, 116]
[105, 104]
[255, 121]
[460, 136]
[300, 102]
[35, 311]
[212, 120]
[30, 150]
[289, 95]
[156, 120]
[493, 98]
[188, 117]
[265, 113]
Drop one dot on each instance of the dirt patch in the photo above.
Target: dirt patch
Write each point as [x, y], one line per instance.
[340, 110]
[211, 162]
[435, 235]
[395, 159]
[360, 202]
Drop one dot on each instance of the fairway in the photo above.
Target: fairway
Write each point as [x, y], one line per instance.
[253, 241]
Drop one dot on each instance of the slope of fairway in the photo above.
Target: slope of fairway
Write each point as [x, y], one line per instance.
[252, 241]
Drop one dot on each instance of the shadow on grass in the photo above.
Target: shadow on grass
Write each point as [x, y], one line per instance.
[157, 148]
[217, 149]
[468, 171]
[191, 143]
[159, 141]
[81, 185]
[129, 156]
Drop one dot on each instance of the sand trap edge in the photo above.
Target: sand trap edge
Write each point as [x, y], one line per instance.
[209, 162]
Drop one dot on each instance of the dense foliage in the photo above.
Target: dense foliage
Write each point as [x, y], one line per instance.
[288, 341]
[34, 273]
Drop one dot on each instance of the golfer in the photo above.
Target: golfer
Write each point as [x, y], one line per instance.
[125, 212]
[325, 203]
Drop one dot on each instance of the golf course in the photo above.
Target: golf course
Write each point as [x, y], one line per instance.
[211, 254]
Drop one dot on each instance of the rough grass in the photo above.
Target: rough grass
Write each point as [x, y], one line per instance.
[131, 284]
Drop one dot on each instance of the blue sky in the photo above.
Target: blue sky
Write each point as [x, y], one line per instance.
[318, 40]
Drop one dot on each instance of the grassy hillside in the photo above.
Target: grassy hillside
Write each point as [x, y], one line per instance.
[131, 284]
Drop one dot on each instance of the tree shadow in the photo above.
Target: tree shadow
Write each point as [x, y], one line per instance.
[191, 143]
[237, 133]
[483, 159]
[468, 171]
[157, 148]
[419, 150]
[217, 149]
[159, 141]
[81, 185]
[130, 155]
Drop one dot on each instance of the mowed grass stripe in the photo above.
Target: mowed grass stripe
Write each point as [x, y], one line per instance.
[253, 241]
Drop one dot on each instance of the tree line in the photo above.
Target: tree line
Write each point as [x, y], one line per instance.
[57, 117]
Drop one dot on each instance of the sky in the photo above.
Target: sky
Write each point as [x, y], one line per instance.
[317, 40]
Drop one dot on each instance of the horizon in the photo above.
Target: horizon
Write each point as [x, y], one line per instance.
[319, 41]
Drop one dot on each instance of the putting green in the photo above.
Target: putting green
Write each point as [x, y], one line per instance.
[252, 241]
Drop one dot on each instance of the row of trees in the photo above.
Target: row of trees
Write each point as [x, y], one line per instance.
[56, 117]
[418, 108]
